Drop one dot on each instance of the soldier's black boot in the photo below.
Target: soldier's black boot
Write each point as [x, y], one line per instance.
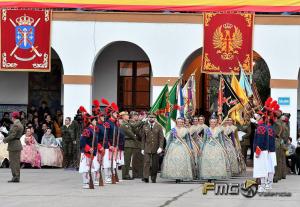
[14, 180]
[146, 180]
[153, 178]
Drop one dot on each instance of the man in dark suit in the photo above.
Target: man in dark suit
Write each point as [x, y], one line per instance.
[14, 147]
[152, 146]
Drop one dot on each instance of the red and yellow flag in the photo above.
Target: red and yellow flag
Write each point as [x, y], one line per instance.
[227, 41]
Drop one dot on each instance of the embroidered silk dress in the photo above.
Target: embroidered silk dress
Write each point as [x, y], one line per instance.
[179, 160]
[30, 153]
[214, 160]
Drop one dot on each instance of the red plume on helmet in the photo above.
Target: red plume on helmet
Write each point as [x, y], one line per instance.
[268, 104]
[96, 107]
[82, 109]
[85, 115]
[105, 102]
[114, 107]
[271, 107]
[96, 103]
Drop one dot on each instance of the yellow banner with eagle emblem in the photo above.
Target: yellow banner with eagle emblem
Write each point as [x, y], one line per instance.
[227, 41]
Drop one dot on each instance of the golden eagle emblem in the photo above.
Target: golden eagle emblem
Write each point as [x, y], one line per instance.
[227, 39]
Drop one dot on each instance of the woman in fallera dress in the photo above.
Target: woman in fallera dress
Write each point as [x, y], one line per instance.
[196, 132]
[51, 153]
[30, 154]
[196, 138]
[233, 147]
[213, 160]
[179, 163]
[230, 143]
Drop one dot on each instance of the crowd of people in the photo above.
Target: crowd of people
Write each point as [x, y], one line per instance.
[107, 140]
[41, 137]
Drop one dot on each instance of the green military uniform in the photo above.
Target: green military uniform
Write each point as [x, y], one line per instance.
[76, 150]
[69, 143]
[14, 148]
[131, 144]
[285, 136]
[137, 157]
[278, 128]
[152, 139]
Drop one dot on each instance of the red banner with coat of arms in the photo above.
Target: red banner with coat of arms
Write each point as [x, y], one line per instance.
[25, 40]
[227, 42]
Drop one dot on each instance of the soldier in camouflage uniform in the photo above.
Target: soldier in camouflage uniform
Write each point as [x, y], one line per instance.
[137, 158]
[131, 144]
[69, 142]
[285, 136]
[77, 125]
[278, 128]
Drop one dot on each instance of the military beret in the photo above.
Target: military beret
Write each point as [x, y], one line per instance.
[151, 115]
[132, 113]
[123, 113]
[15, 114]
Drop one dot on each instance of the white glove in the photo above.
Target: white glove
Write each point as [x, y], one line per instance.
[142, 152]
[4, 130]
[159, 150]
[253, 120]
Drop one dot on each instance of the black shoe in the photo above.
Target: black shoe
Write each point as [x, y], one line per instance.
[177, 181]
[153, 181]
[127, 178]
[14, 181]
[146, 180]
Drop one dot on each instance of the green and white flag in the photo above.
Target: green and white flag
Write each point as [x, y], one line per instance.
[161, 108]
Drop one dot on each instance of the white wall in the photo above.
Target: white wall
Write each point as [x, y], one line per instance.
[292, 108]
[13, 87]
[279, 45]
[106, 68]
[76, 96]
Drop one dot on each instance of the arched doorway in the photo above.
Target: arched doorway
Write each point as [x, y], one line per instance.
[261, 76]
[122, 73]
[47, 86]
[207, 85]
[193, 65]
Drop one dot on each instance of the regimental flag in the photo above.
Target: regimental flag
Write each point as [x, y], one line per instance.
[227, 38]
[189, 96]
[239, 90]
[161, 108]
[25, 40]
[173, 101]
[229, 98]
[180, 101]
[244, 83]
[236, 111]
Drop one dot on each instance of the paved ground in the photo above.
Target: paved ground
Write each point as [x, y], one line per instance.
[57, 187]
